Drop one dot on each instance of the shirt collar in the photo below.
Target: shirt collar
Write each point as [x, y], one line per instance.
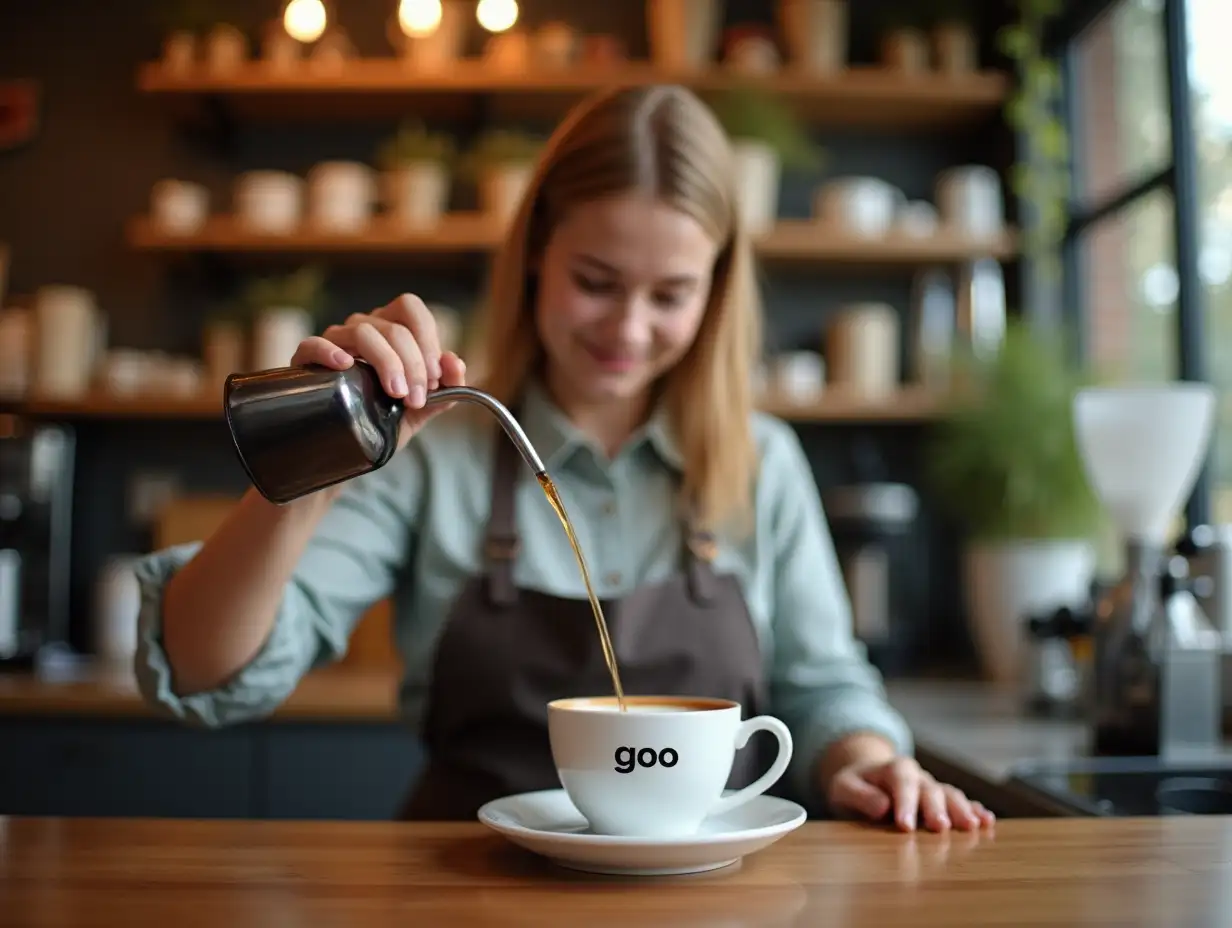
[557, 439]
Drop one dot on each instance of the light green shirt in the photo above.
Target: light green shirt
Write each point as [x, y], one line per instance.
[414, 531]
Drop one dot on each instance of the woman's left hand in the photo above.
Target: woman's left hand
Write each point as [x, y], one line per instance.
[873, 789]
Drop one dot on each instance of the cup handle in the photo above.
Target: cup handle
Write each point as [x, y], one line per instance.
[767, 779]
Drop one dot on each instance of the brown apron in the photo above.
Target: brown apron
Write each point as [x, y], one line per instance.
[505, 652]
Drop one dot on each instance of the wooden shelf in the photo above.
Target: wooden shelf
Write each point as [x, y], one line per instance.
[910, 404]
[792, 241]
[372, 88]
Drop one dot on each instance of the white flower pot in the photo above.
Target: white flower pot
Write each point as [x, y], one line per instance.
[179, 52]
[277, 332]
[1007, 582]
[955, 48]
[179, 207]
[341, 195]
[683, 34]
[416, 195]
[905, 50]
[502, 188]
[757, 181]
[225, 49]
[815, 32]
[269, 202]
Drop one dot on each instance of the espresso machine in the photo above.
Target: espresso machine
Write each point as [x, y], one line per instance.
[1154, 687]
[36, 497]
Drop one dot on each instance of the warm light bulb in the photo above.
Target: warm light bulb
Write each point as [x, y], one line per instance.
[304, 20]
[497, 15]
[419, 17]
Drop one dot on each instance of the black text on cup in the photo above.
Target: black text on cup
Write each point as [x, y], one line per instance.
[627, 758]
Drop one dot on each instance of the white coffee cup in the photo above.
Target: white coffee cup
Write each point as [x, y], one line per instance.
[658, 769]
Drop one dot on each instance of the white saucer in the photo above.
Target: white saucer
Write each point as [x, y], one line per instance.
[547, 823]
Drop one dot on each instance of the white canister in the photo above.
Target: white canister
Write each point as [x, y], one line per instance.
[117, 603]
[416, 194]
[955, 48]
[269, 202]
[16, 347]
[440, 49]
[862, 350]
[917, 219]
[502, 189]
[68, 330]
[276, 335]
[179, 207]
[757, 170]
[865, 207]
[280, 52]
[969, 199]
[341, 195]
[798, 376]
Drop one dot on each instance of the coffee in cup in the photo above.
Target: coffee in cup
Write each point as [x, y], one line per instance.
[657, 769]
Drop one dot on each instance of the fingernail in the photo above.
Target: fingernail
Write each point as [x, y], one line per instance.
[397, 384]
[340, 357]
[418, 395]
[945, 822]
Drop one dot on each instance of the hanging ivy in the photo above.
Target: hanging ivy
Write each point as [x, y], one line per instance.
[1041, 177]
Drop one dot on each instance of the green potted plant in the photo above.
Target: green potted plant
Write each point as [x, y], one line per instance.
[767, 138]
[1005, 463]
[501, 164]
[284, 310]
[1040, 177]
[414, 164]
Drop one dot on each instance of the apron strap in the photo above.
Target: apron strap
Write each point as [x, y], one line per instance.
[501, 544]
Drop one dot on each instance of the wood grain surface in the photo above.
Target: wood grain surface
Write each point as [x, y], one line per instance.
[1171, 872]
[338, 693]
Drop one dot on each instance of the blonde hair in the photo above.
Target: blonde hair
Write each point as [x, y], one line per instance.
[664, 142]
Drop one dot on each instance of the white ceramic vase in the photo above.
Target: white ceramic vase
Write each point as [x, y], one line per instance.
[179, 207]
[341, 195]
[502, 188]
[758, 170]
[416, 194]
[277, 332]
[269, 202]
[1008, 582]
[179, 52]
[225, 49]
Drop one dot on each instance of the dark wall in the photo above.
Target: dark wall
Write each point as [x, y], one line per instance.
[65, 197]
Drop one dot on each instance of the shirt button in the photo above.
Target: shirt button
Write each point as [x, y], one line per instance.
[612, 579]
[609, 508]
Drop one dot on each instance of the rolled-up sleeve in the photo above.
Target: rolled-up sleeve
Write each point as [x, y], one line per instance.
[821, 683]
[353, 561]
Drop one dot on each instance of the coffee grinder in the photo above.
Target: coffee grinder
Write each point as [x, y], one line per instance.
[1155, 673]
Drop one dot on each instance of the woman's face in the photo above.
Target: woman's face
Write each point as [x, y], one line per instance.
[623, 285]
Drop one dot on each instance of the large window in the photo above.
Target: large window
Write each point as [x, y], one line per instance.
[1146, 173]
[1210, 74]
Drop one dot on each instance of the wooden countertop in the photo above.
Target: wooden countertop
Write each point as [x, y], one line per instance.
[331, 694]
[1072, 872]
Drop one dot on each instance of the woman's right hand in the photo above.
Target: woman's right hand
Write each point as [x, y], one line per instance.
[401, 342]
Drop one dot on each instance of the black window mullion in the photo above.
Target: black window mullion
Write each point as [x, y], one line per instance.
[1190, 314]
[1073, 287]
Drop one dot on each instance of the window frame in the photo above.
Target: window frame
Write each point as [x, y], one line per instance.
[1178, 176]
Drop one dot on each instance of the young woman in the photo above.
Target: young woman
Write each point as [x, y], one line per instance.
[622, 327]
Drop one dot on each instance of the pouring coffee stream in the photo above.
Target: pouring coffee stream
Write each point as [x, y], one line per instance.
[298, 430]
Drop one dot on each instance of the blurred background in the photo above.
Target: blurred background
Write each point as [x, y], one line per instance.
[1009, 195]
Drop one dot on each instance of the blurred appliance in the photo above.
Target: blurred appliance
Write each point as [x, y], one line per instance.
[871, 524]
[36, 497]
